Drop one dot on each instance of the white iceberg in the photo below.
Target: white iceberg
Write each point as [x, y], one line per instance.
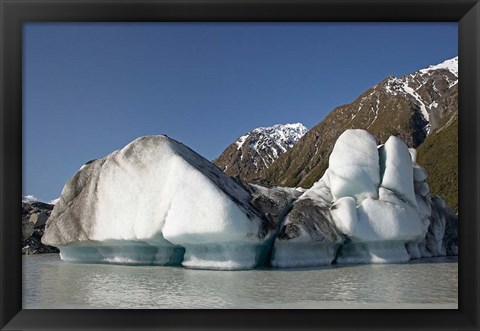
[396, 169]
[379, 226]
[363, 210]
[157, 202]
[354, 166]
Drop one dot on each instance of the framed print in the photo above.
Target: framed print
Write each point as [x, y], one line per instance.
[239, 164]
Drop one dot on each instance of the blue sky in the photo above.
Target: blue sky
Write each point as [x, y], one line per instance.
[91, 88]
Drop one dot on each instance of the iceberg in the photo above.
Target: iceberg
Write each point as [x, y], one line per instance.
[363, 210]
[381, 227]
[396, 169]
[354, 166]
[156, 201]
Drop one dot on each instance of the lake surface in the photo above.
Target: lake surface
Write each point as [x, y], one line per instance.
[49, 282]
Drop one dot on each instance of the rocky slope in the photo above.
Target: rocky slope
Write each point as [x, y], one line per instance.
[408, 107]
[34, 217]
[255, 151]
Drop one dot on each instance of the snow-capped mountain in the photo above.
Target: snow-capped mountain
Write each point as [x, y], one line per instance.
[29, 198]
[410, 107]
[450, 65]
[258, 149]
[427, 87]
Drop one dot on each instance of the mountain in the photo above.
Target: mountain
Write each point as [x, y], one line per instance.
[410, 107]
[255, 151]
[29, 199]
[32, 198]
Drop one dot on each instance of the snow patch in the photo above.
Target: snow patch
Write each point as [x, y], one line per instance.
[240, 141]
[395, 86]
[450, 65]
[29, 199]
[268, 143]
[419, 100]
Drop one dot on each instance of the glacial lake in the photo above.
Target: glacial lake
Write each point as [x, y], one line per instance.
[49, 282]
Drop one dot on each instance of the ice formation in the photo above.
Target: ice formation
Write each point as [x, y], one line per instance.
[157, 202]
[354, 166]
[308, 235]
[371, 206]
[380, 227]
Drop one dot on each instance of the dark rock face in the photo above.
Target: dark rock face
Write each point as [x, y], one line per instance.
[27, 230]
[34, 218]
[39, 219]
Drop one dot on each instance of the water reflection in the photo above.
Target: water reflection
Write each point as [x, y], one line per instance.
[51, 283]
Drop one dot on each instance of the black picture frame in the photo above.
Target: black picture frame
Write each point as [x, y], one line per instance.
[13, 13]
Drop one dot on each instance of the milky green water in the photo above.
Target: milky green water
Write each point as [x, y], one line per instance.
[49, 282]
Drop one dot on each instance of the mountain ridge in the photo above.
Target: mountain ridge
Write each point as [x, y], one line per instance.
[409, 106]
[256, 150]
